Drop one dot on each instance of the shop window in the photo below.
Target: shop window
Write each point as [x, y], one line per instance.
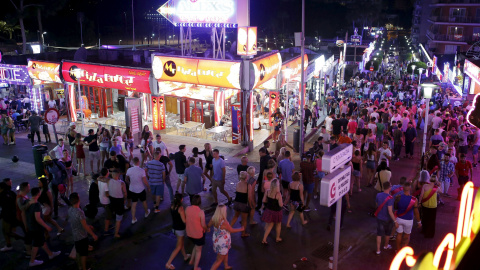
[476, 34]
[457, 13]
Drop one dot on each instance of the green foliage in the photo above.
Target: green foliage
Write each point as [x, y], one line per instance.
[376, 65]
[8, 28]
[417, 66]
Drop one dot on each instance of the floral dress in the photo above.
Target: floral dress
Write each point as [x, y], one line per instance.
[221, 240]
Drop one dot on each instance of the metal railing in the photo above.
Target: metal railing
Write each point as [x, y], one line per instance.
[455, 19]
[444, 37]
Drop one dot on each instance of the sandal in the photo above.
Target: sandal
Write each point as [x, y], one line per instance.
[169, 266]
[188, 257]
[264, 243]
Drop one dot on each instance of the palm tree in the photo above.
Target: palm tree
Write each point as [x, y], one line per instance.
[8, 28]
[81, 19]
[20, 7]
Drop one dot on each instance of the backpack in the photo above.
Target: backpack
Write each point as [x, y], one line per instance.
[62, 170]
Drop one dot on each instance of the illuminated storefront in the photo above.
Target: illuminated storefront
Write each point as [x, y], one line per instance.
[17, 79]
[472, 77]
[47, 84]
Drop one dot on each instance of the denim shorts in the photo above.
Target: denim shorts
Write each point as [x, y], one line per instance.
[384, 227]
[103, 148]
[157, 190]
[475, 149]
[309, 187]
[371, 164]
[178, 232]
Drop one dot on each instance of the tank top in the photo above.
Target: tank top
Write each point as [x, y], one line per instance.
[432, 202]
[356, 166]
[178, 223]
[197, 160]
[67, 163]
[70, 139]
[115, 188]
[241, 197]
[295, 195]
[370, 157]
[105, 142]
[272, 204]
[43, 199]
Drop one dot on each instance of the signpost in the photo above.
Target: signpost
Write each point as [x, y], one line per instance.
[51, 117]
[335, 185]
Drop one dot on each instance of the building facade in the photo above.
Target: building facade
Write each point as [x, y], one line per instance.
[453, 26]
[421, 13]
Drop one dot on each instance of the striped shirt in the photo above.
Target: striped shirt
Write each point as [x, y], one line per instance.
[155, 172]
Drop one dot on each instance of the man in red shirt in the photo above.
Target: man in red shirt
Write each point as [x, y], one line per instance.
[307, 169]
[464, 172]
[352, 126]
[344, 138]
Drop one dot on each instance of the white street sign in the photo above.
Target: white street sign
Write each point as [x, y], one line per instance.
[334, 186]
[337, 157]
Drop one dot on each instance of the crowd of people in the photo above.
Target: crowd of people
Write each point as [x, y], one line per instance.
[381, 116]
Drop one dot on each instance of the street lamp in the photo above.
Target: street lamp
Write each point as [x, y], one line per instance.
[119, 42]
[78, 74]
[427, 94]
[413, 70]
[420, 70]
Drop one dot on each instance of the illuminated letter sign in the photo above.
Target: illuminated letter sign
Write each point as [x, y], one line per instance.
[155, 118]
[14, 74]
[203, 13]
[122, 78]
[247, 41]
[295, 65]
[218, 73]
[44, 71]
[266, 68]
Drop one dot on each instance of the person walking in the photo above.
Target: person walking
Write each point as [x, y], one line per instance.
[178, 228]
[307, 170]
[407, 209]
[80, 154]
[35, 122]
[137, 180]
[8, 214]
[118, 195]
[410, 138]
[428, 197]
[104, 140]
[222, 241]
[240, 205]
[180, 165]
[385, 216]
[196, 228]
[93, 149]
[36, 227]
[80, 229]
[296, 201]
[273, 211]
[67, 162]
[218, 179]
[46, 203]
[159, 144]
[127, 138]
[155, 171]
[57, 175]
[57, 151]
[464, 173]
[264, 158]
[193, 178]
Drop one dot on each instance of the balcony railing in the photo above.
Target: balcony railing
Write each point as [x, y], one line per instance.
[455, 19]
[455, 1]
[453, 38]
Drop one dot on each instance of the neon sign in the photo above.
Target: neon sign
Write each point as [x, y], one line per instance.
[14, 74]
[201, 13]
[455, 245]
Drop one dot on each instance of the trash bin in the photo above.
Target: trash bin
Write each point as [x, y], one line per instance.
[296, 139]
[39, 151]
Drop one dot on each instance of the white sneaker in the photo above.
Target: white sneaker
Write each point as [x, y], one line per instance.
[147, 214]
[54, 254]
[6, 249]
[35, 263]
[387, 247]
[134, 221]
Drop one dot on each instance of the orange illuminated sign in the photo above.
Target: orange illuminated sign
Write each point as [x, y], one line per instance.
[456, 245]
[294, 66]
[273, 98]
[155, 113]
[266, 68]
[247, 40]
[161, 112]
[44, 71]
[218, 73]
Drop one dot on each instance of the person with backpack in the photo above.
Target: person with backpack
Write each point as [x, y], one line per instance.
[57, 175]
[407, 208]
[385, 216]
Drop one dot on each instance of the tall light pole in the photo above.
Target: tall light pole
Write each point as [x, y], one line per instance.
[287, 72]
[302, 82]
[420, 70]
[79, 75]
[133, 28]
[413, 70]
[427, 94]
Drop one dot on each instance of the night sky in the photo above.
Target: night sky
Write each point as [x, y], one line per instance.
[111, 19]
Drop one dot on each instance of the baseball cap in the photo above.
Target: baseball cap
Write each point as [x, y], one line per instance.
[72, 124]
[47, 158]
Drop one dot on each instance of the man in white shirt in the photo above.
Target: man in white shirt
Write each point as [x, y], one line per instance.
[375, 114]
[52, 104]
[57, 152]
[138, 181]
[385, 153]
[436, 121]
[396, 117]
[160, 144]
[328, 123]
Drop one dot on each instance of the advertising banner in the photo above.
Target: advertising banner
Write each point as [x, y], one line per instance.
[44, 71]
[133, 114]
[266, 68]
[295, 67]
[202, 12]
[218, 73]
[14, 74]
[155, 116]
[236, 124]
[247, 40]
[121, 78]
[273, 98]
[219, 101]
[161, 113]
[70, 88]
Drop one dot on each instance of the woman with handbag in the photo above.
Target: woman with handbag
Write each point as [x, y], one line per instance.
[383, 175]
[296, 201]
[46, 202]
